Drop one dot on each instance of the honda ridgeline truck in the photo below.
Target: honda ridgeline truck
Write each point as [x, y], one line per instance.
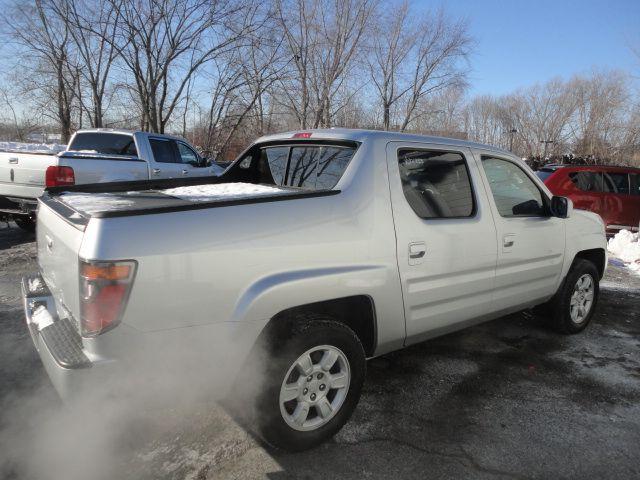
[316, 249]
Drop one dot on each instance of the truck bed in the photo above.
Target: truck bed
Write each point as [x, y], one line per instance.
[77, 204]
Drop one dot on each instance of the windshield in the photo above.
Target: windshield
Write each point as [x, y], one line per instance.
[104, 143]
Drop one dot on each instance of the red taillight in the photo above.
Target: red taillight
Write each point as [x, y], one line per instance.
[59, 176]
[302, 135]
[104, 291]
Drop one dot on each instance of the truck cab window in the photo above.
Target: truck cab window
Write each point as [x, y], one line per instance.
[187, 155]
[515, 194]
[436, 184]
[163, 151]
[104, 143]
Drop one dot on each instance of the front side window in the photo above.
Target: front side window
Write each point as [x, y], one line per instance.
[186, 154]
[634, 179]
[515, 194]
[436, 184]
[163, 151]
[618, 181]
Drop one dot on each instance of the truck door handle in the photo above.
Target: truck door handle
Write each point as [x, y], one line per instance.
[156, 171]
[13, 160]
[185, 171]
[417, 250]
[508, 240]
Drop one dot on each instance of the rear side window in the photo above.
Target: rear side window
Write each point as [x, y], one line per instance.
[587, 181]
[436, 184]
[163, 151]
[619, 182]
[105, 143]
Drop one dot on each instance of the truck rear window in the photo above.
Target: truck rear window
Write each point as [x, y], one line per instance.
[104, 143]
[313, 167]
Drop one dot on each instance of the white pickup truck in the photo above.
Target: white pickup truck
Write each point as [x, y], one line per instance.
[312, 252]
[93, 156]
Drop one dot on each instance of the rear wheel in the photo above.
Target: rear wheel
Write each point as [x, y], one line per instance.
[28, 224]
[312, 384]
[574, 305]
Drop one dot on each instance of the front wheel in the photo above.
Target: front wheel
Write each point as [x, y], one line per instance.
[312, 385]
[575, 303]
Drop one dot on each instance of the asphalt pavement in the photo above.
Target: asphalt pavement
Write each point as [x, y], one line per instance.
[506, 399]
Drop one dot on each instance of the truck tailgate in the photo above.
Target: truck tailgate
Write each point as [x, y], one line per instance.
[58, 246]
[23, 174]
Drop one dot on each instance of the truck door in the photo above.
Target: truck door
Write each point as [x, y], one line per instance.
[166, 163]
[531, 243]
[191, 162]
[446, 238]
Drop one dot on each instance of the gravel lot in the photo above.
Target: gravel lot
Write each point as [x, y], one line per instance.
[507, 399]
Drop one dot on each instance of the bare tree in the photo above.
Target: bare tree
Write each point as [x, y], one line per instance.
[412, 59]
[164, 43]
[92, 25]
[43, 36]
[322, 38]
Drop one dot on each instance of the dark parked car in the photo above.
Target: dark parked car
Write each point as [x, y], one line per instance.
[611, 192]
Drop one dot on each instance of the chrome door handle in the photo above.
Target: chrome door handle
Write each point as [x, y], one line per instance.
[508, 241]
[185, 171]
[156, 171]
[417, 250]
[13, 160]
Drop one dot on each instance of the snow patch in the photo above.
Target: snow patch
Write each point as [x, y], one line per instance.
[626, 246]
[51, 148]
[35, 284]
[41, 317]
[96, 202]
[223, 191]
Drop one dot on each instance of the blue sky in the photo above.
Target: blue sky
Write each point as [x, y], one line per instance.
[520, 43]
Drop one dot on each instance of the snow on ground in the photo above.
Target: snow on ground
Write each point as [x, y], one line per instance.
[41, 317]
[50, 148]
[223, 191]
[626, 246]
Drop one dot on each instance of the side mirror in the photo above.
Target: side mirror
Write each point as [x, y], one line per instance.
[561, 207]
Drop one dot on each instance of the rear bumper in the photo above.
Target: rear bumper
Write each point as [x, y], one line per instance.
[55, 339]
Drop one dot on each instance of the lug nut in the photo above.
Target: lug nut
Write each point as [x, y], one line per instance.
[309, 378]
[320, 375]
[313, 396]
[322, 387]
[305, 391]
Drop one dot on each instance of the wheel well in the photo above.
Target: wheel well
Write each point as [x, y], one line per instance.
[357, 312]
[595, 256]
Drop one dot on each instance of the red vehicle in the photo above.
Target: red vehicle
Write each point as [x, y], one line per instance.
[611, 192]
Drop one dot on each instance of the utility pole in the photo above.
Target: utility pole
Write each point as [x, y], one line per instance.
[512, 133]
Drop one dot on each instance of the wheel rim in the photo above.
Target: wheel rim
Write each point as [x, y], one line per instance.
[582, 298]
[314, 388]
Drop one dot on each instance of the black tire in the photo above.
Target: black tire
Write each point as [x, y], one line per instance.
[27, 224]
[560, 306]
[307, 332]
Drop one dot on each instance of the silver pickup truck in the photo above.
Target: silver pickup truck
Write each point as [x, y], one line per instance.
[93, 156]
[313, 252]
